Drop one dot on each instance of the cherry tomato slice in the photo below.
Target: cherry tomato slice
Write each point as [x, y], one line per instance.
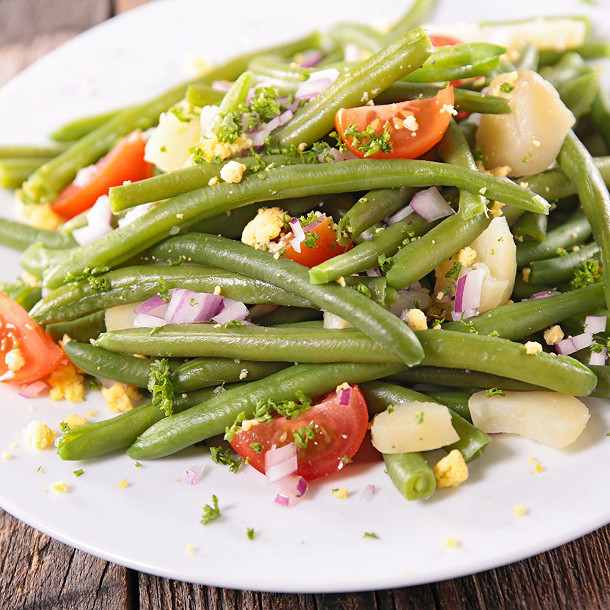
[339, 432]
[410, 137]
[326, 247]
[443, 40]
[124, 162]
[19, 332]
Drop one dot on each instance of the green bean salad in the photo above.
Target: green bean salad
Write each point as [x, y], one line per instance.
[392, 236]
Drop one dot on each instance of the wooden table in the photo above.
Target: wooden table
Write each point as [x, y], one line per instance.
[38, 572]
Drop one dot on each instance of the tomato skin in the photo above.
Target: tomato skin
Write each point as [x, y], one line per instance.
[341, 430]
[406, 144]
[18, 330]
[124, 162]
[443, 40]
[323, 250]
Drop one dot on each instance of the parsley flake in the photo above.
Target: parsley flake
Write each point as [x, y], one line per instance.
[304, 434]
[494, 392]
[250, 533]
[419, 417]
[371, 535]
[224, 456]
[79, 472]
[210, 513]
[161, 387]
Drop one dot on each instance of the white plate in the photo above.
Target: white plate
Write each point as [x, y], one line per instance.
[317, 546]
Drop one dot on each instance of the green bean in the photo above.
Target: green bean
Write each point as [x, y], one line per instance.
[277, 69]
[14, 172]
[291, 181]
[476, 352]
[530, 226]
[363, 36]
[372, 208]
[203, 95]
[316, 119]
[37, 259]
[366, 255]
[212, 417]
[419, 11]
[518, 320]
[21, 292]
[578, 93]
[524, 290]
[411, 474]
[80, 329]
[460, 378]
[468, 101]
[79, 128]
[578, 165]
[570, 66]
[378, 288]
[600, 113]
[572, 233]
[529, 58]
[472, 441]
[28, 151]
[134, 284]
[420, 257]
[456, 400]
[561, 268]
[345, 302]
[453, 148]
[453, 62]
[233, 99]
[590, 49]
[289, 315]
[47, 181]
[19, 235]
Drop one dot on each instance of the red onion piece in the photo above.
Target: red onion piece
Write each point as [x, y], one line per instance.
[280, 462]
[368, 492]
[221, 85]
[332, 155]
[430, 205]
[299, 235]
[314, 223]
[33, 390]
[583, 340]
[312, 58]
[599, 358]
[284, 500]
[468, 290]
[194, 473]
[541, 295]
[145, 320]
[230, 310]
[258, 138]
[375, 272]
[345, 396]
[186, 306]
[595, 324]
[467, 313]
[574, 344]
[400, 215]
[155, 306]
[316, 83]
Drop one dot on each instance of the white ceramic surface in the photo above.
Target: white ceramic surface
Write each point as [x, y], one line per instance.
[319, 545]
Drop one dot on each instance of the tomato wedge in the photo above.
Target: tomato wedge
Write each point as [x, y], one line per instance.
[124, 162]
[443, 40]
[20, 333]
[414, 126]
[326, 247]
[339, 432]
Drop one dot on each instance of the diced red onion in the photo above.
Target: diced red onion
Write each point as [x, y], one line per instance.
[316, 83]
[415, 286]
[230, 310]
[375, 272]
[409, 299]
[194, 473]
[368, 492]
[33, 390]
[599, 358]
[90, 233]
[345, 397]
[292, 489]
[467, 313]
[430, 205]
[280, 462]
[573, 344]
[312, 58]
[219, 389]
[135, 213]
[468, 290]
[283, 500]
[155, 306]
[333, 154]
[258, 138]
[540, 295]
[145, 320]
[314, 223]
[595, 324]
[299, 234]
[100, 211]
[221, 85]
[400, 215]
[186, 306]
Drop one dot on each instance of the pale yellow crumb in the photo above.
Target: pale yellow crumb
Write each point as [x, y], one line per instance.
[532, 348]
[525, 274]
[213, 180]
[5, 455]
[91, 413]
[38, 435]
[451, 470]
[451, 543]
[553, 335]
[496, 209]
[14, 359]
[122, 484]
[233, 172]
[74, 421]
[519, 510]
[190, 548]
[466, 256]
[61, 487]
[416, 319]
[340, 493]
[535, 465]
[66, 382]
[117, 398]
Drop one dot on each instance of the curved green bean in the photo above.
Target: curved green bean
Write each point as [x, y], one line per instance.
[79, 128]
[363, 36]
[203, 95]
[81, 329]
[19, 235]
[530, 226]
[37, 258]
[417, 13]
[14, 172]
[561, 268]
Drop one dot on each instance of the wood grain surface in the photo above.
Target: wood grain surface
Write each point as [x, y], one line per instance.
[40, 573]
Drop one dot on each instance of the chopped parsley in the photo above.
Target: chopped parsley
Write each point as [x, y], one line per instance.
[506, 87]
[304, 434]
[561, 252]
[64, 427]
[235, 426]
[454, 272]
[138, 465]
[390, 409]
[257, 447]
[371, 535]
[478, 154]
[362, 289]
[161, 387]
[230, 128]
[493, 392]
[250, 533]
[290, 409]
[310, 240]
[368, 141]
[596, 348]
[210, 513]
[180, 115]
[79, 472]
[589, 273]
[346, 459]
[234, 323]
[419, 417]
[94, 384]
[224, 457]
[163, 291]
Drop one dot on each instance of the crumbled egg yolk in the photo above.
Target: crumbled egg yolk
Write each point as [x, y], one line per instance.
[536, 465]
[525, 274]
[416, 319]
[213, 180]
[451, 543]
[233, 172]
[74, 421]
[61, 487]
[448, 109]
[5, 455]
[519, 510]
[340, 493]
[451, 470]
[496, 209]
[532, 348]
[553, 335]
[266, 226]
[14, 359]
[210, 148]
[190, 548]
[38, 435]
[67, 383]
[117, 398]
[243, 373]
[122, 484]
[466, 256]
[38, 215]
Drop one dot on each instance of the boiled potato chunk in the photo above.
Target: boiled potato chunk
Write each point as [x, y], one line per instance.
[414, 426]
[549, 418]
[529, 138]
[120, 317]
